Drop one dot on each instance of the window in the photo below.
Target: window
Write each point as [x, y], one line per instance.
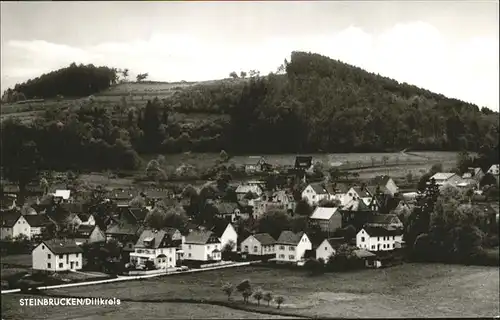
[326, 248]
[383, 246]
[189, 255]
[282, 256]
[60, 256]
[373, 246]
[77, 255]
[291, 248]
[291, 257]
[43, 247]
[77, 263]
[49, 256]
[282, 247]
[189, 246]
[394, 245]
[254, 248]
[208, 247]
[393, 238]
[246, 249]
[362, 239]
[60, 265]
[49, 266]
[378, 238]
[170, 259]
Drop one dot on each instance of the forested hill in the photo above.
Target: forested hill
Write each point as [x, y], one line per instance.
[313, 104]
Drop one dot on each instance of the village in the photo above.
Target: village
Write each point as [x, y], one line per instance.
[290, 218]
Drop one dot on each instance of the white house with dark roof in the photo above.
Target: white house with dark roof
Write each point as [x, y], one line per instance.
[494, 170]
[260, 244]
[227, 234]
[88, 234]
[14, 224]
[328, 219]
[37, 224]
[63, 195]
[442, 178]
[202, 245]
[379, 238]
[356, 193]
[228, 211]
[158, 246]
[57, 255]
[255, 164]
[291, 247]
[385, 184]
[314, 193]
[328, 247]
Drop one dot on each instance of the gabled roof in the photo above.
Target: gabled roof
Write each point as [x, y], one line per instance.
[84, 231]
[244, 188]
[494, 168]
[303, 162]
[340, 188]
[122, 228]
[60, 246]
[156, 193]
[381, 232]
[318, 188]
[123, 194]
[225, 207]
[362, 192]
[265, 239]
[219, 229]
[335, 242]
[380, 180]
[289, 237]
[356, 205]
[442, 175]
[159, 238]
[323, 213]
[37, 220]
[139, 214]
[199, 237]
[9, 218]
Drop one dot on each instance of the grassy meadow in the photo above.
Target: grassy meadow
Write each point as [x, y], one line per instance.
[408, 290]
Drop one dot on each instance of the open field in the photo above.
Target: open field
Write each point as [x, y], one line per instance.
[18, 260]
[408, 290]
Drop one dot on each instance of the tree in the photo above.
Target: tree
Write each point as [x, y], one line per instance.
[268, 297]
[243, 74]
[141, 76]
[247, 293]
[303, 208]
[233, 75]
[228, 290]
[258, 295]
[279, 300]
[437, 167]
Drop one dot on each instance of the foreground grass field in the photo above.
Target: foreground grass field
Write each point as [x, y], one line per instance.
[409, 290]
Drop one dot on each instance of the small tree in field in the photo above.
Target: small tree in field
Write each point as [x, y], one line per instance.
[228, 290]
[268, 297]
[258, 295]
[279, 300]
[247, 293]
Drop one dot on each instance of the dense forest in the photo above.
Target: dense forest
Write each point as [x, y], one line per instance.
[73, 81]
[315, 104]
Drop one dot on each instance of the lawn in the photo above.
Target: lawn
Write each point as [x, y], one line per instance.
[18, 260]
[408, 290]
[126, 310]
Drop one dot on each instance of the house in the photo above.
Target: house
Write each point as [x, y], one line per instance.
[473, 173]
[228, 211]
[291, 247]
[261, 207]
[442, 178]
[88, 234]
[361, 193]
[303, 163]
[494, 170]
[37, 224]
[255, 164]
[86, 219]
[13, 224]
[158, 246]
[63, 195]
[314, 193]
[328, 219]
[202, 245]
[131, 215]
[338, 192]
[227, 235]
[384, 220]
[379, 238]
[356, 213]
[244, 189]
[10, 190]
[260, 244]
[154, 195]
[7, 203]
[122, 197]
[328, 247]
[57, 255]
[125, 233]
[385, 185]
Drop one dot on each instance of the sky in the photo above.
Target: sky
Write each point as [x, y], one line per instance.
[449, 47]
